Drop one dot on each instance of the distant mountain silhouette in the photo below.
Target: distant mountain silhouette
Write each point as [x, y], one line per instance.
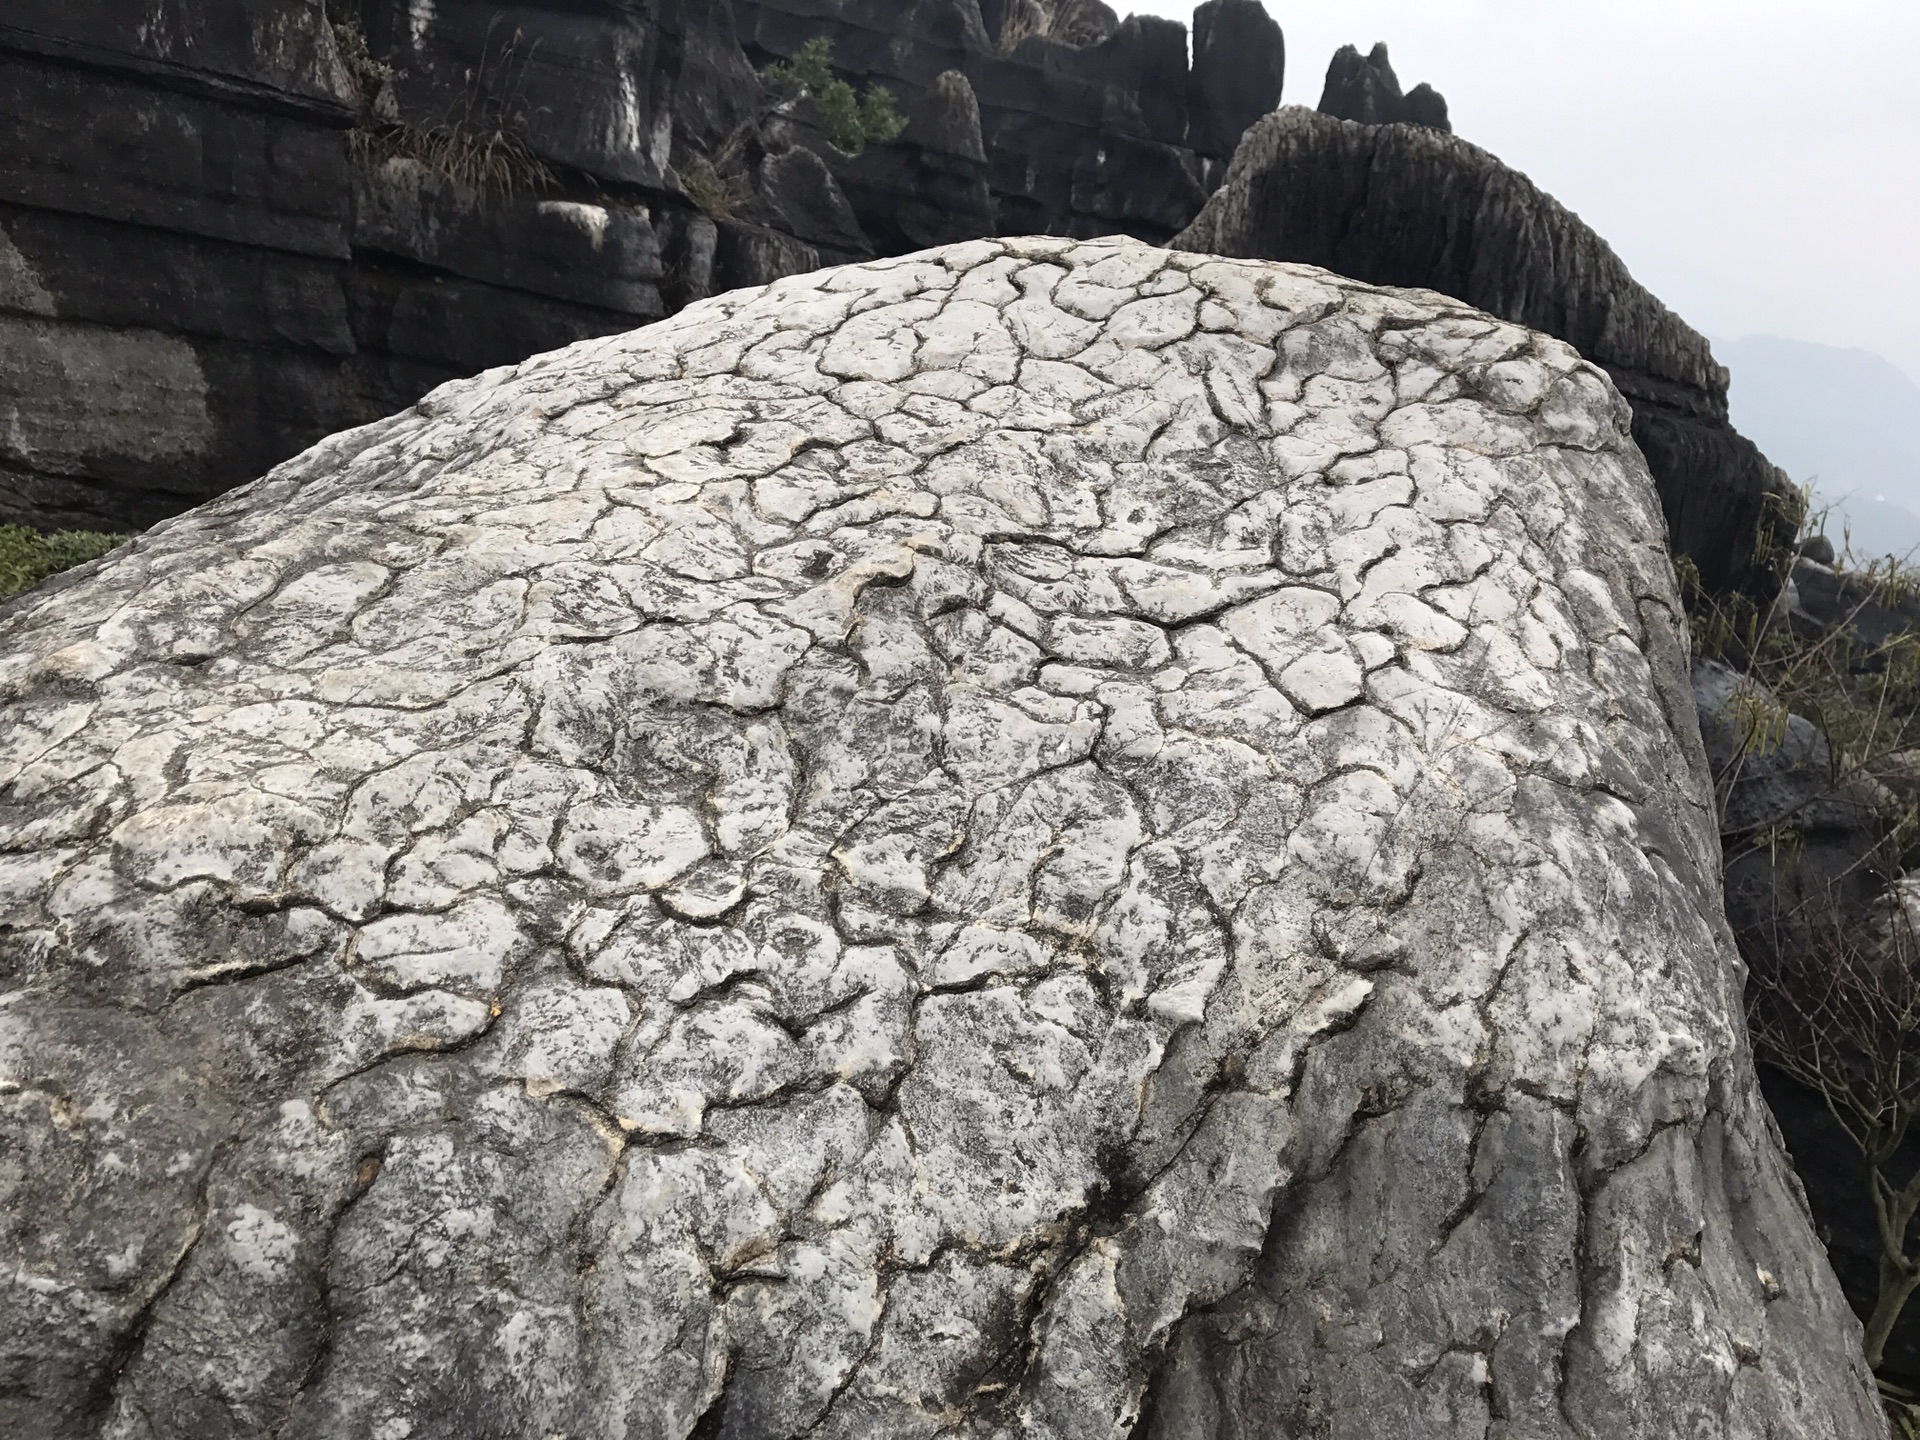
[1846, 420]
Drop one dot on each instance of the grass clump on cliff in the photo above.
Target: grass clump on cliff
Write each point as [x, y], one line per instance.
[1856, 676]
[853, 121]
[478, 145]
[718, 183]
[27, 557]
[1066, 22]
[488, 162]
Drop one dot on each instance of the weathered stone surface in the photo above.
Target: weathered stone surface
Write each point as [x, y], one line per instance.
[1778, 769]
[1408, 205]
[1083, 138]
[1816, 862]
[1830, 1168]
[281, 51]
[601, 254]
[604, 89]
[1041, 839]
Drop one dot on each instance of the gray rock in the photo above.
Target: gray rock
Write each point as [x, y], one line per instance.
[1408, 205]
[601, 254]
[278, 48]
[1090, 136]
[606, 90]
[1829, 1166]
[1827, 837]
[1239, 66]
[804, 201]
[1365, 89]
[928, 187]
[1045, 839]
[1776, 768]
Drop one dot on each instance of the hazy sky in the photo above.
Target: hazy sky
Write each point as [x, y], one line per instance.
[1757, 164]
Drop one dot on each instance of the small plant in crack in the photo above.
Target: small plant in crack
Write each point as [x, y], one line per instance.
[718, 183]
[853, 121]
[368, 72]
[1078, 23]
[1833, 997]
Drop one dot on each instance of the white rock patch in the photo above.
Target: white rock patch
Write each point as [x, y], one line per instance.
[1019, 841]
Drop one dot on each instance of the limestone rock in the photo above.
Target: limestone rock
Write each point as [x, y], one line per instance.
[1087, 124]
[1814, 859]
[1041, 839]
[1778, 768]
[1239, 66]
[1408, 205]
[1801, 832]
[1365, 89]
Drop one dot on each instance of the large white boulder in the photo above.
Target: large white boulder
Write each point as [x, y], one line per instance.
[1041, 839]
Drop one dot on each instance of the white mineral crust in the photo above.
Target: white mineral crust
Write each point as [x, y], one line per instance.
[1042, 839]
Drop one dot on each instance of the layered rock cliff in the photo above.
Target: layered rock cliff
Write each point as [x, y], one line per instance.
[1048, 839]
[229, 229]
[1403, 204]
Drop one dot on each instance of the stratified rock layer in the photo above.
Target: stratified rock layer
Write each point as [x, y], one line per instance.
[1409, 205]
[1035, 840]
[229, 228]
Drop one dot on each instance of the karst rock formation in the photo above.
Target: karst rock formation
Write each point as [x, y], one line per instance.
[1041, 839]
[1365, 89]
[1407, 204]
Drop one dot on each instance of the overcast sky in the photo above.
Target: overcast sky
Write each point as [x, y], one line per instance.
[1757, 164]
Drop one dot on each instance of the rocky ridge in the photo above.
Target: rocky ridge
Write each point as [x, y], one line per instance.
[231, 230]
[1144, 807]
[1324, 191]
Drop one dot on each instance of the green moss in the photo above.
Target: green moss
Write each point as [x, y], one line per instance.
[853, 121]
[27, 557]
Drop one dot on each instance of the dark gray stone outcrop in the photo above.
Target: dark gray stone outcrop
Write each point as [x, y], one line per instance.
[230, 228]
[1117, 134]
[1363, 88]
[1051, 839]
[1409, 205]
[1239, 64]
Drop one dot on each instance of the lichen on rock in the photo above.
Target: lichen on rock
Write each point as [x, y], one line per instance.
[1045, 838]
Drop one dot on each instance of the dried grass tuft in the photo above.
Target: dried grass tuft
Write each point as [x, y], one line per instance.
[1065, 22]
[494, 163]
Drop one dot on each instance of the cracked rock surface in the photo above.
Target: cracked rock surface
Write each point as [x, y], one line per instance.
[1042, 839]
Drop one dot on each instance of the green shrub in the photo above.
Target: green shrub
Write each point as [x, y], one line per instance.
[853, 121]
[27, 557]
[368, 73]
